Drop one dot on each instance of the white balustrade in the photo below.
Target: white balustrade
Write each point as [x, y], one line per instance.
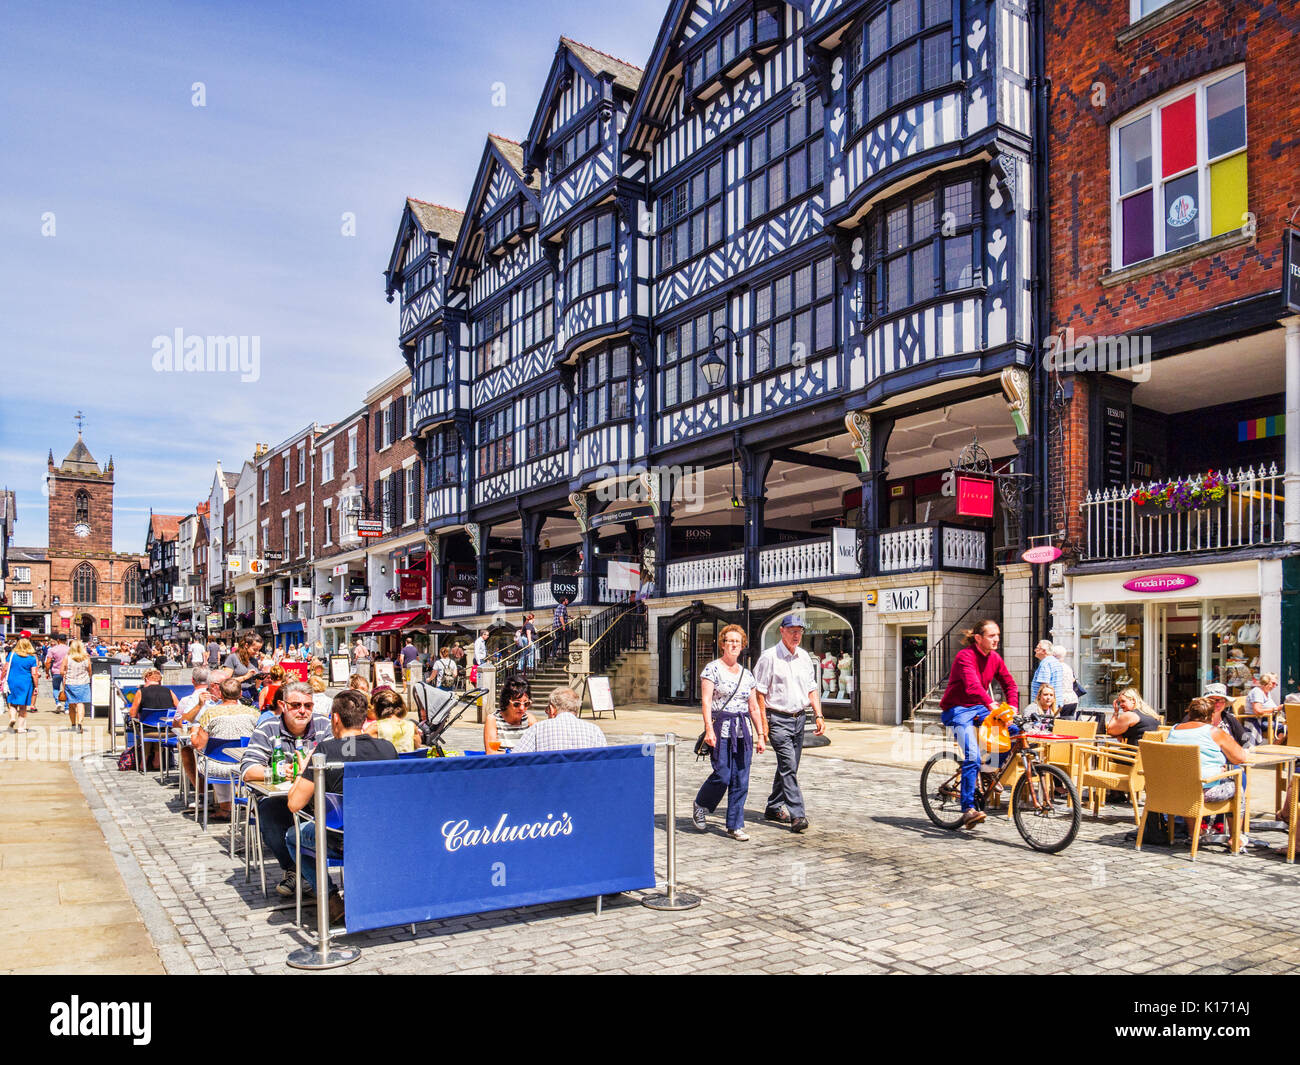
[604, 594]
[905, 549]
[491, 601]
[1250, 514]
[701, 574]
[964, 548]
[807, 560]
[542, 596]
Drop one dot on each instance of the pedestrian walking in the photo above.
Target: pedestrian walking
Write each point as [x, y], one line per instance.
[785, 678]
[23, 669]
[76, 684]
[560, 623]
[55, 658]
[733, 730]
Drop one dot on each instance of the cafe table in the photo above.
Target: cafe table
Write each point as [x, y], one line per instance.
[1277, 759]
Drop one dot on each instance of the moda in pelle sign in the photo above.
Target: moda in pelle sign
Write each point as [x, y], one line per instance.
[1161, 582]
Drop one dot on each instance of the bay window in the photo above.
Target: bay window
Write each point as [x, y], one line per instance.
[537, 311]
[794, 316]
[496, 442]
[492, 338]
[574, 146]
[431, 362]
[757, 28]
[603, 383]
[921, 246]
[1178, 173]
[590, 256]
[444, 457]
[901, 52]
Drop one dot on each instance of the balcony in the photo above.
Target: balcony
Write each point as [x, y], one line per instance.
[705, 572]
[806, 560]
[1249, 515]
[934, 545]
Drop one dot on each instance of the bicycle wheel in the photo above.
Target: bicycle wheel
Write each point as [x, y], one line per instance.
[1051, 823]
[941, 789]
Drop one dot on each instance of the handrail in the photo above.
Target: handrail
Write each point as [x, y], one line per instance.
[923, 678]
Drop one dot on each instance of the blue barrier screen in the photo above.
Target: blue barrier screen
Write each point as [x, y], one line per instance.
[449, 836]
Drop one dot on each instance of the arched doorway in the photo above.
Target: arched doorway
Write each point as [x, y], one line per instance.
[86, 629]
[688, 641]
[830, 636]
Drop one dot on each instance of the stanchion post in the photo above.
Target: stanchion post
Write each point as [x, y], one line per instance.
[322, 956]
[671, 899]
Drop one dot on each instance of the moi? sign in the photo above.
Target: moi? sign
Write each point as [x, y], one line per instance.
[904, 600]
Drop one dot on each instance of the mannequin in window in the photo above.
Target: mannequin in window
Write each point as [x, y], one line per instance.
[846, 675]
[828, 675]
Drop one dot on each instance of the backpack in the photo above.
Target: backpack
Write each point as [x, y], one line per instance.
[126, 760]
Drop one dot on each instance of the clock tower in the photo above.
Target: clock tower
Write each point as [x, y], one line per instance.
[81, 502]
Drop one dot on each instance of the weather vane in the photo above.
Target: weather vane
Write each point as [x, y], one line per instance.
[80, 420]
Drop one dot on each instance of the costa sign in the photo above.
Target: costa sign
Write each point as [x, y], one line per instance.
[1161, 582]
[1038, 555]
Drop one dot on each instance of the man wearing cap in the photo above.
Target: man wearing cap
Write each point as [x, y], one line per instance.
[786, 682]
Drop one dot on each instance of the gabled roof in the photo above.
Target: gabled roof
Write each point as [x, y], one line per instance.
[497, 152]
[598, 68]
[598, 62]
[164, 526]
[231, 479]
[443, 223]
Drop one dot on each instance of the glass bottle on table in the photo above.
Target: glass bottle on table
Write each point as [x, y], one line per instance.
[275, 768]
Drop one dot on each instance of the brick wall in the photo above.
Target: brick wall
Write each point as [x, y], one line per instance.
[343, 479]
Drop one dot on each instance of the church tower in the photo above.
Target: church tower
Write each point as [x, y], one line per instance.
[81, 502]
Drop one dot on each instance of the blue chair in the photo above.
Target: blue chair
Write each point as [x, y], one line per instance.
[154, 727]
[243, 801]
[422, 752]
[333, 823]
[215, 751]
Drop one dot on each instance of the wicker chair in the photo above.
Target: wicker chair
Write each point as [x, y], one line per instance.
[1174, 787]
[1116, 769]
[1064, 754]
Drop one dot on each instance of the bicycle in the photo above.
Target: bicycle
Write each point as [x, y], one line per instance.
[1044, 803]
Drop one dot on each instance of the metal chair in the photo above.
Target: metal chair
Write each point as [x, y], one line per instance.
[214, 751]
[243, 800]
[154, 727]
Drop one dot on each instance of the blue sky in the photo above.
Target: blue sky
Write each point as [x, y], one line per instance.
[227, 219]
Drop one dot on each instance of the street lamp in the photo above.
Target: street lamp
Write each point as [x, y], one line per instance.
[716, 365]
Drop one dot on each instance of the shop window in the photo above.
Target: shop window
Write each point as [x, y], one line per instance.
[1110, 651]
[828, 638]
[1232, 636]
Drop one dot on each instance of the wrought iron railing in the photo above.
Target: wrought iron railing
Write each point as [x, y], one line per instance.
[923, 679]
[1249, 514]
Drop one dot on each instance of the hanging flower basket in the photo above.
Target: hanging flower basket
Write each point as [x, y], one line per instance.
[392, 595]
[1185, 495]
[326, 598]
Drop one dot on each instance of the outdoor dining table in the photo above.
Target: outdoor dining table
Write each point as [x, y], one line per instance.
[1277, 759]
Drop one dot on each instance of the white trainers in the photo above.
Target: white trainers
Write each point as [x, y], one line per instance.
[738, 834]
[700, 817]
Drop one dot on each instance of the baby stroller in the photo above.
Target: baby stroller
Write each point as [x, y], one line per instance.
[438, 709]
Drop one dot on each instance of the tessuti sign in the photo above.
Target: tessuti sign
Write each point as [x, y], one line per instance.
[1291, 270]
[974, 497]
[1161, 582]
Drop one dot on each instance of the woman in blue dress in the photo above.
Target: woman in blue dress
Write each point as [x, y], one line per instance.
[21, 683]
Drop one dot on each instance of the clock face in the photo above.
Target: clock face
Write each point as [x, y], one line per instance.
[81, 529]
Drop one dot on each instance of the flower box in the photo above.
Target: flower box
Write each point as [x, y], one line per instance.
[1181, 496]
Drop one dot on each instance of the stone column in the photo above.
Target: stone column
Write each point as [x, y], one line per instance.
[1291, 477]
[1015, 649]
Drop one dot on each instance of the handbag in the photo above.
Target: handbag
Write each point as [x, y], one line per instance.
[702, 749]
[1249, 631]
[1079, 689]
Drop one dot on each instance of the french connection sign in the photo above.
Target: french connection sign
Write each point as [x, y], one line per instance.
[439, 837]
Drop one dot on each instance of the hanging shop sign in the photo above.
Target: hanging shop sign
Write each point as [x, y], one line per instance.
[340, 569]
[1161, 582]
[273, 556]
[300, 595]
[510, 593]
[459, 595]
[367, 527]
[844, 546]
[1038, 555]
[1291, 273]
[974, 497]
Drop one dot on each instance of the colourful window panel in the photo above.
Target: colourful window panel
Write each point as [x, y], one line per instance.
[1227, 194]
[1182, 211]
[1139, 235]
[1178, 136]
[1225, 116]
[1261, 428]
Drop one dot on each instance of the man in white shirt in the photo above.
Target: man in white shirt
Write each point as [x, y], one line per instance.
[198, 653]
[564, 731]
[786, 682]
[480, 647]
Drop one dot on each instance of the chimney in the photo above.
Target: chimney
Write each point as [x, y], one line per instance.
[259, 450]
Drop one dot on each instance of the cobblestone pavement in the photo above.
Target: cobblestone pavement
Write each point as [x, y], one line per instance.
[873, 887]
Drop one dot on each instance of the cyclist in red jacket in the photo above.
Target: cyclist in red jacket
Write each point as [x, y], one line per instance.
[967, 702]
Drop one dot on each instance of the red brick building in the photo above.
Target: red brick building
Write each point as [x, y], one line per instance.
[1172, 171]
[94, 590]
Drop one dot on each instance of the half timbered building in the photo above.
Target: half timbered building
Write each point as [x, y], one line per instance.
[732, 320]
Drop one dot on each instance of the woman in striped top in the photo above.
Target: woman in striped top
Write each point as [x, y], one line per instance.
[502, 729]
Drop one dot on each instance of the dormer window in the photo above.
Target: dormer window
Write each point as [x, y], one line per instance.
[419, 277]
[506, 226]
[574, 146]
[727, 51]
